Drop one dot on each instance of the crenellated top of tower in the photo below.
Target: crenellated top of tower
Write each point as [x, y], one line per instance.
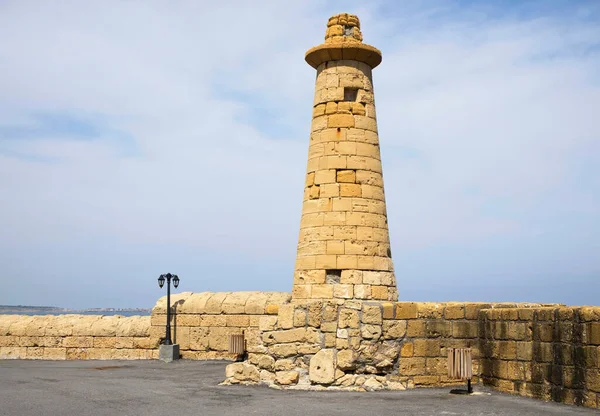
[343, 41]
[342, 28]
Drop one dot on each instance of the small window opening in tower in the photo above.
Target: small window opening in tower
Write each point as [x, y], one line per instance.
[333, 276]
[350, 94]
[348, 30]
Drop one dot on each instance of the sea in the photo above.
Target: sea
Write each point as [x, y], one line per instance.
[105, 313]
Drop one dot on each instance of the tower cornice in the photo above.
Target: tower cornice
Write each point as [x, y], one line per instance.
[360, 52]
[343, 41]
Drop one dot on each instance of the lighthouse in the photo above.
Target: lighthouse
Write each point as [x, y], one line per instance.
[344, 246]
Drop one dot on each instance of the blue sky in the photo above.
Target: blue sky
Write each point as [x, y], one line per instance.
[138, 138]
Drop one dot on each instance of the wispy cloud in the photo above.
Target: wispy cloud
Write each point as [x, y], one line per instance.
[199, 137]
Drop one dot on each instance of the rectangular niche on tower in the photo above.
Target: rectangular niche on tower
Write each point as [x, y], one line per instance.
[350, 94]
[333, 276]
[348, 30]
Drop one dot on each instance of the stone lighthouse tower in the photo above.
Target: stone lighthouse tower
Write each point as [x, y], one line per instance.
[344, 247]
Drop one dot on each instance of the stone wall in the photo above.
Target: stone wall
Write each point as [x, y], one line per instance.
[202, 322]
[76, 337]
[547, 353]
[359, 345]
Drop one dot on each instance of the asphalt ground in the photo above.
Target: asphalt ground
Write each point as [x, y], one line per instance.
[148, 388]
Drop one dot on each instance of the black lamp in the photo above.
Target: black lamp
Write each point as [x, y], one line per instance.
[161, 282]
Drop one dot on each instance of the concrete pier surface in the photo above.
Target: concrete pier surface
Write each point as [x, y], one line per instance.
[152, 387]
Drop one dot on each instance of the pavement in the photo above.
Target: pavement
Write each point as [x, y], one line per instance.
[149, 388]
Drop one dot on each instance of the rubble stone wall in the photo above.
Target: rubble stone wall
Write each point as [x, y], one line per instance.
[547, 353]
[76, 337]
[360, 345]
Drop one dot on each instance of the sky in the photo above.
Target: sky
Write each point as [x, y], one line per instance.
[146, 137]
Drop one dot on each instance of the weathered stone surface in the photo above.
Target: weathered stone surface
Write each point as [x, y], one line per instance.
[286, 377]
[372, 384]
[394, 329]
[267, 376]
[177, 300]
[322, 367]
[242, 372]
[266, 362]
[235, 302]
[371, 332]
[283, 350]
[285, 317]
[215, 302]
[348, 318]
[345, 360]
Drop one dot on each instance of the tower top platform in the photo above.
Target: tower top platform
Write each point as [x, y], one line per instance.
[343, 41]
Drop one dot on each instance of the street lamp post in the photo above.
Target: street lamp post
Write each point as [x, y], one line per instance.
[170, 353]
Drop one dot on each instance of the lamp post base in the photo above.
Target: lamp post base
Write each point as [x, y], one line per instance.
[168, 353]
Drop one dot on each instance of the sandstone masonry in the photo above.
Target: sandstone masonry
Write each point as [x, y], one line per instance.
[344, 247]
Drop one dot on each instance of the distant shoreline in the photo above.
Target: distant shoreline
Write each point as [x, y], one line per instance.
[52, 310]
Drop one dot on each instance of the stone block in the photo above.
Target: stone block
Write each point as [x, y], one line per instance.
[334, 218]
[415, 329]
[286, 378]
[347, 261]
[242, 372]
[34, 353]
[105, 342]
[349, 318]
[428, 310]
[218, 339]
[388, 310]
[215, 302]
[124, 342]
[407, 349]
[370, 332]
[104, 327]
[342, 204]
[285, 317]
[324, 291]
[507, 350]
[380, 292]
[465, 329]
[325, 262]
[372, 314]
[350, 190]
[55, 353]
[340, 120]
[411, 366]
[406, 310]
[351, 277]
[299, 318]
[362, 291]
[283, 350]
[454, 311]
[394, 329]
[322, 367]
[434, 329]
[314, 314]
[593, 333]
[242, 321]
[335, 247]
[426, 348]
[343, 291]
[346, 176]
[286, 336]
[213, 320]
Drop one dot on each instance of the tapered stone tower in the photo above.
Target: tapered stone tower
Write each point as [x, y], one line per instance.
[344, 246]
